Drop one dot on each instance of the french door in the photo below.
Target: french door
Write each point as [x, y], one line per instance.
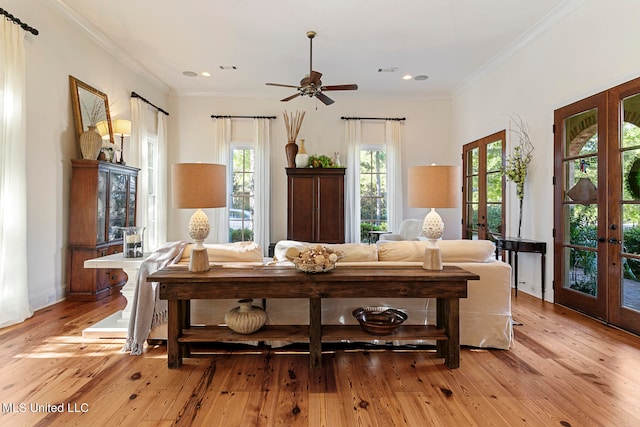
[597, 206]
[483, 187]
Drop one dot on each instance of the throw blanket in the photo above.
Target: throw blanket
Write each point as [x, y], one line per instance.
[148, 309]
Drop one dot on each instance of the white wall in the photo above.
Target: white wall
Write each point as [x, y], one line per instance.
[590, 50]
[426, 140]
[58, 51]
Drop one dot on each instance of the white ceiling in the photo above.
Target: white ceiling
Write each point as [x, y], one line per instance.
[448, 40]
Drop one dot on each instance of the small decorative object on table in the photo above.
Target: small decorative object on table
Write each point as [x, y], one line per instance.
[245, 319]
[314, 259]
[379, 320]
[90, 143]
[133, 242]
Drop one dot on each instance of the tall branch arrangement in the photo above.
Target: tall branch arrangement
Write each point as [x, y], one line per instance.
[293, 124]
[518, 162]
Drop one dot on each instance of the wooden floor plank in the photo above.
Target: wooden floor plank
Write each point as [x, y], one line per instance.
[563, 369]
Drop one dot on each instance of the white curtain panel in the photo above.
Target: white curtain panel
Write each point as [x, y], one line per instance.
[262, 185]
[393, 142]
[14, 292]
[222, 147]
[138, 156]
[161, 188]
[353, 138]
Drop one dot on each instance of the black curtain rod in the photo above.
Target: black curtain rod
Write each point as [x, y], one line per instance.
[398, 119]
[135, 95]
[213, 116]
[16, 21]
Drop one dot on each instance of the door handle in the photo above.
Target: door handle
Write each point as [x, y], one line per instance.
[614, 241]
[601, 239]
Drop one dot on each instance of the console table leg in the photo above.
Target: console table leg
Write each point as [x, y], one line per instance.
[452, 329]
[315, 332]
[174, 329]
[440, 323]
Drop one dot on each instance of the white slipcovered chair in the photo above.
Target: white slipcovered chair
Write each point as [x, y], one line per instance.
[410, 229]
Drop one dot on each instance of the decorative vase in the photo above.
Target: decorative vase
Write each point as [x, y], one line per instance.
[246, 318]
[291, 149]
[90, 143]
[302, 158]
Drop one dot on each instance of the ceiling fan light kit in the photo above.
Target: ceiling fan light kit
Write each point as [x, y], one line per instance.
[311, 85]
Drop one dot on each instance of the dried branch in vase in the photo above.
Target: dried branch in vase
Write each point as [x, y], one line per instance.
[293, 124]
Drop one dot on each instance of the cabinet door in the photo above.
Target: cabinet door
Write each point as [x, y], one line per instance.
[329, 215]
[301, 208]
[117, 204]
[101, 213]
[131, 214]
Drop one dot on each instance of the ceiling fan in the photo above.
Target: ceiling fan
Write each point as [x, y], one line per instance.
[311, 85]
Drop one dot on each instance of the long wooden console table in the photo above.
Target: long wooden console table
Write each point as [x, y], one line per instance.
[179, 286]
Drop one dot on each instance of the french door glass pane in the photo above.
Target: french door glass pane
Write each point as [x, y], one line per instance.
[583, 225]
[631, 283]
[494, 187]
[494, 156]
[473, 161]
[494, 218]
[581, 271]
[581, 132]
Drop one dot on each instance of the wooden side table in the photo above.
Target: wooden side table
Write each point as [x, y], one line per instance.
[515, 244]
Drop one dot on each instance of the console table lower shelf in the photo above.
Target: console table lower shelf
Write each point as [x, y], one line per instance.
[179, 287]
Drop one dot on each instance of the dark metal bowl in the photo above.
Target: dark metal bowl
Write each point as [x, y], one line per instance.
[379, 320]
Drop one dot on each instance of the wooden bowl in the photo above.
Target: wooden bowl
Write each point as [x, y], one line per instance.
[379, 320]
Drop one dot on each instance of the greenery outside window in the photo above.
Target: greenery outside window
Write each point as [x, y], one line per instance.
[241, 196]
[373, 191]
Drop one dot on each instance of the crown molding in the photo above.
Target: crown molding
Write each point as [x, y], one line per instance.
[547, 22]
[109, 45]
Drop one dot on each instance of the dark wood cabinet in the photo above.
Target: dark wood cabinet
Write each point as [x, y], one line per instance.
[315, 210]
[102, 199]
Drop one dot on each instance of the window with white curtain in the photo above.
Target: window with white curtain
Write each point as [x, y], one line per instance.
[373, 190]
[153, 201]
[241, 192]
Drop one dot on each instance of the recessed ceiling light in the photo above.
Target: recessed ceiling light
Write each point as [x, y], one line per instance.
[407, 77]
[205, 74]
[190, 73]
[387, 70]
[421, 77]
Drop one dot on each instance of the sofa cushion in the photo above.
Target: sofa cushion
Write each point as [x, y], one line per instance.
[229, 252]
[452, 250]
[353, 252]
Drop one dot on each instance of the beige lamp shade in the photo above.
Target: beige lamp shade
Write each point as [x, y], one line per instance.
[121, 127]
[434, 186]
[199, 185]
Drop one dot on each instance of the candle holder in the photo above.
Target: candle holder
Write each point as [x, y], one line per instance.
[133, 242]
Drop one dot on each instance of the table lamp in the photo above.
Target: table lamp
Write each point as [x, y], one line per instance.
[122, 128]
[434, 187]
[198, 186]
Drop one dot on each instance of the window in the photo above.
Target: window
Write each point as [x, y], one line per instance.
[241, 204]
[152, 196]
[373, 191]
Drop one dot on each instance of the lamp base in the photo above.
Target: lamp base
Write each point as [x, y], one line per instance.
[199, 260]
[432, 257]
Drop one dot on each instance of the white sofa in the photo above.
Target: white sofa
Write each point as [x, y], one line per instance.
[485, 315]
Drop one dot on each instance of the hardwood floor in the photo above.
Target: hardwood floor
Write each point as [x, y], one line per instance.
[563, 370]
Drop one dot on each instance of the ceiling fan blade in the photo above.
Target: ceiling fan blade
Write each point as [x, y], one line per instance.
[341, 87]
[314, 78]
[289, 98]
[324, 98]
[281, 85]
